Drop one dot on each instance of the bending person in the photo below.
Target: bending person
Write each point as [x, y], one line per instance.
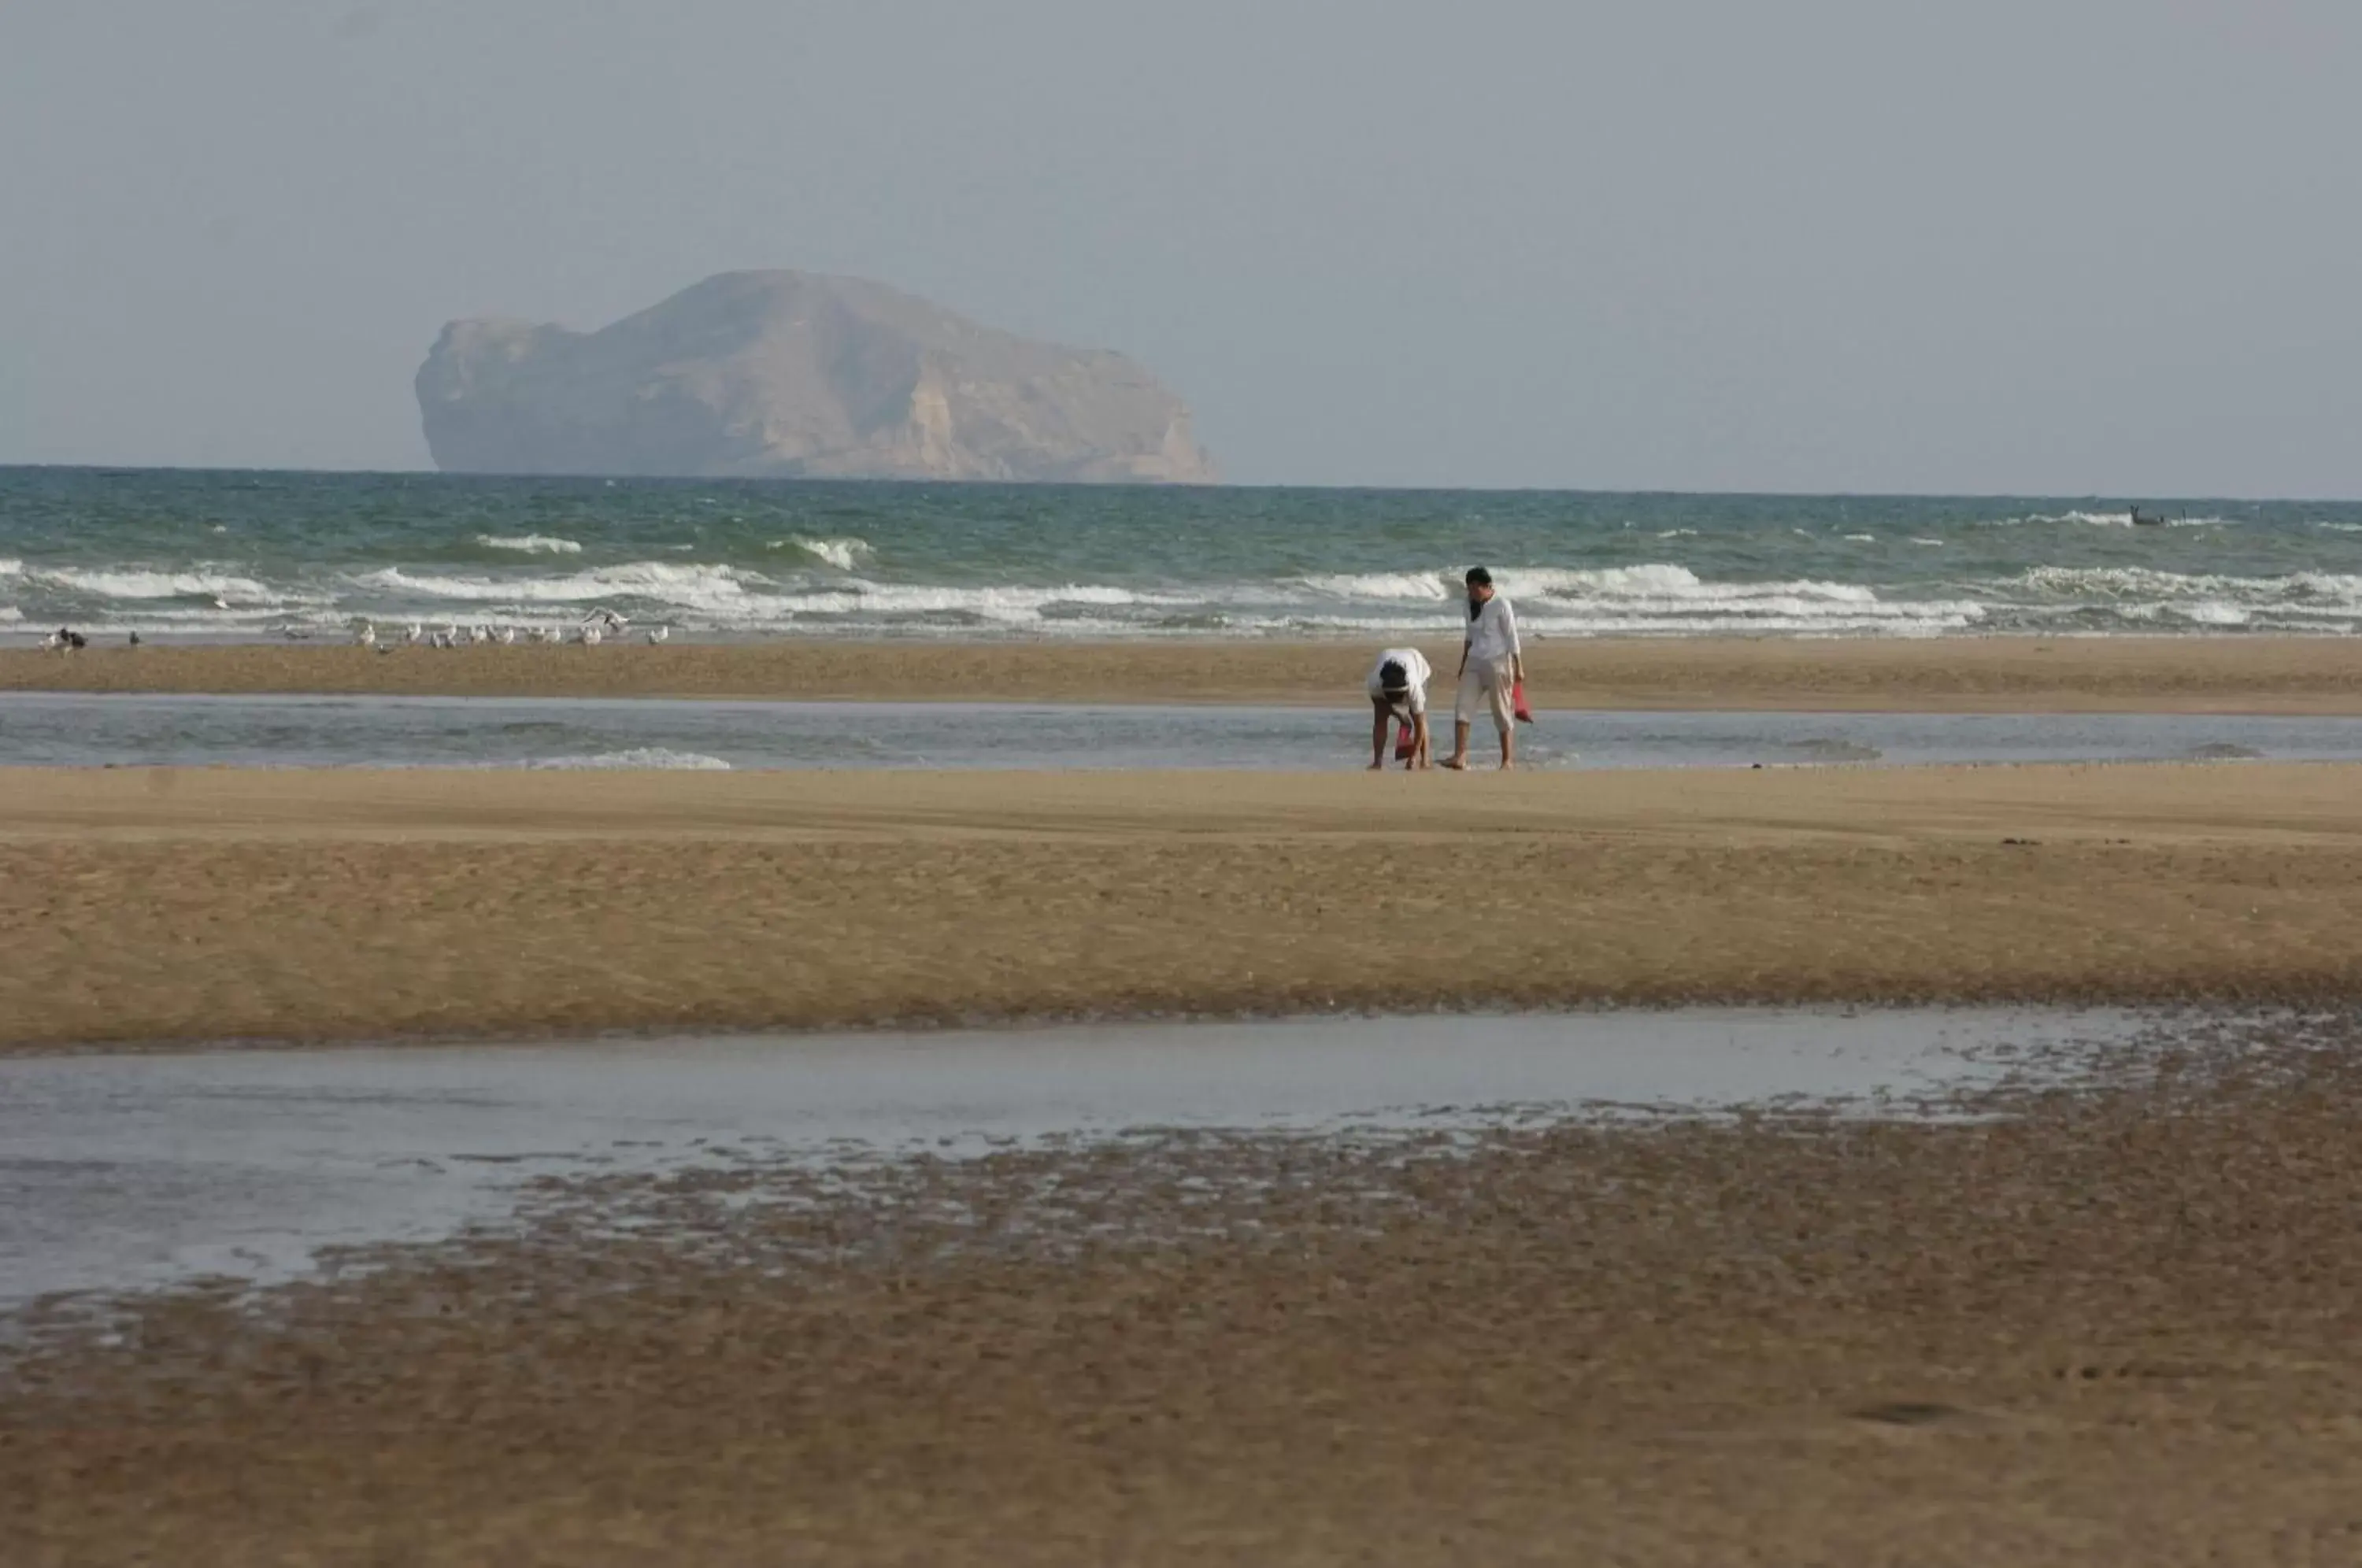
[1397, 688]
[1492, 663]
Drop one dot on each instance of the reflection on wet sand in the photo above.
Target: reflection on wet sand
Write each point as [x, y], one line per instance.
[2110, 1323]
[134, 1170]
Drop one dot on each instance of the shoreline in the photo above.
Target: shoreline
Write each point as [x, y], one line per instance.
[194, 906]
[2275, 675]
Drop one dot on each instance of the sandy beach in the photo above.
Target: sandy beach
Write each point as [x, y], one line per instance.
[2189, 674]
[160, 904]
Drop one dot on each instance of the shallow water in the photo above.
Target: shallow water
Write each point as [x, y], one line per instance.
[132, 1171]
[88, 729]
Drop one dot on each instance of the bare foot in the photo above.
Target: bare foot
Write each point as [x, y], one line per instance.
[1457, 764]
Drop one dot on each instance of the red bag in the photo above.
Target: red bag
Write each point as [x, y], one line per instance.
[1409, 743]
[1517, 703]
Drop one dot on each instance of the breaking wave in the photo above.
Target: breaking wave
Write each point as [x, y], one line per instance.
[844, 554]
[644, 756]
[530, 543]
[804, 585]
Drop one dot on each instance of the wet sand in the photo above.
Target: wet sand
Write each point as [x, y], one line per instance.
[159, 905]
[131, 1171]
[2249, 675]
[2114, 1329]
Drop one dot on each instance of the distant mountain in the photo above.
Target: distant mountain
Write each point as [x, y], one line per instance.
[792, 374]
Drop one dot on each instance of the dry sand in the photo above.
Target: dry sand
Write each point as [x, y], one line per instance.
[2121, 1330]
[154, 904]
[2250, 675]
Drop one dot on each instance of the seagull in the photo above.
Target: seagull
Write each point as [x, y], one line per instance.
[659, 635]
[445, 640]
[452, 636]
[56, 641]
[415, 635]
[608, 622]
[134, 639]
[366, 637]
[591, 634]
[508, 637]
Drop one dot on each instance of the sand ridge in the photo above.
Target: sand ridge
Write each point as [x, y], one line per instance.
[2189, 674]
[157, 904]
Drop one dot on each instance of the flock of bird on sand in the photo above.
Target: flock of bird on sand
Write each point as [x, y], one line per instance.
[603, 626]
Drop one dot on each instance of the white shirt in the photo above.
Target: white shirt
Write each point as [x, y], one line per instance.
[1414, 665]
[1493, 635]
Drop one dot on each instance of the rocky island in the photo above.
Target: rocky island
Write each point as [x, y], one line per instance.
[779, 374]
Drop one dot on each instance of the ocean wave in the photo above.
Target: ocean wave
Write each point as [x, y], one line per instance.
[844, 554]
[1412, 585]
[530, 543]
[1005, 603]
[134, 583]
[10, 615]
[11, 566]
[644, 757]
[691, 586]
[1741, 610]
[2107, 519]
[1665, 583]
[2329, 589]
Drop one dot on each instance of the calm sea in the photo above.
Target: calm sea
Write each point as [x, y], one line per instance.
[243, 554]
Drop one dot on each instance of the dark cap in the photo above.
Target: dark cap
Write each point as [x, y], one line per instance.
[1479, 578]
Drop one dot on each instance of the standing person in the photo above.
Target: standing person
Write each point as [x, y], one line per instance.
[1399, 690]
[1492, 663]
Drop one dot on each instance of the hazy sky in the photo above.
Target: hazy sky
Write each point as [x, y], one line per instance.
[2052, 245]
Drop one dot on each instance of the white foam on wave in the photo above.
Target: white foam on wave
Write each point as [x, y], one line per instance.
[1666, 583]
[1384, 584]
[655, 757]
[2319, 588]
[1006, 605]
[2107, 519]
[2338, 528]
[844, 554]
[1908, 621]
[138, 583]
[530, 543]
[1862, 538]
[9, 614]
[11, 566]
[689, 585]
